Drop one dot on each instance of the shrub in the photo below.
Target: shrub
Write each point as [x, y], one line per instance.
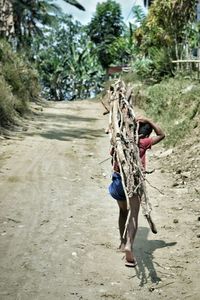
[7, 112]
[19, 84]
[19, 74]
[142, 67]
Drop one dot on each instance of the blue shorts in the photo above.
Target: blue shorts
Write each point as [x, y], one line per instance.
[116, 188]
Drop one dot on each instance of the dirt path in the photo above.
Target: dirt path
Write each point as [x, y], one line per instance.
[59, 232]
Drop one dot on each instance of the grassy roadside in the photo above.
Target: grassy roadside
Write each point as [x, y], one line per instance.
[174, 103]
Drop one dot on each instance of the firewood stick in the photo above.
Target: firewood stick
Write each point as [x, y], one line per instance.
[107, 110]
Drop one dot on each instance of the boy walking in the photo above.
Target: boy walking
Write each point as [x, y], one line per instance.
[146, 126]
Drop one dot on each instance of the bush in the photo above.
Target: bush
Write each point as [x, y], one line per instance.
[19, 84]
[142, 67]
[7, 100]
[19, 74]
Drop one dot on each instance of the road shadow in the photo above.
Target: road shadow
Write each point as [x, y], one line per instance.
[73, 133]
[144, 252]
[66, 117]
[60, 127]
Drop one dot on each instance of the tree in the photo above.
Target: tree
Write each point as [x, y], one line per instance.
[67, 61]
[21, 19]
[166, 23]
[163, 35]
[105, 27]
[75, 3]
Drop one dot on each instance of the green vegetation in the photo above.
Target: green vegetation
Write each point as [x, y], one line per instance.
[175, 103]
[105, 29]
[7, 112]
[167, 33]
[22, 22]
[18, 85]
[67, 62]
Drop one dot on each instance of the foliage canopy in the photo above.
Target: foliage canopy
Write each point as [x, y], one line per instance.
[67, 61]
[104, 29]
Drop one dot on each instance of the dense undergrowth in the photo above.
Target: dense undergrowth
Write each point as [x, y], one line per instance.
[18, 85]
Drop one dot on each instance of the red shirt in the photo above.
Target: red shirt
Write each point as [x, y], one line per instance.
[144, 145]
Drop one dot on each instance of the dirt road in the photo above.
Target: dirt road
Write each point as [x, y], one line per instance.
[59, 234]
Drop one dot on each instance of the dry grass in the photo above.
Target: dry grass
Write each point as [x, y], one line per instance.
[18, 85]
[174, 103]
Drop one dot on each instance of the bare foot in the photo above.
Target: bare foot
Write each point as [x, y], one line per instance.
[130, 259]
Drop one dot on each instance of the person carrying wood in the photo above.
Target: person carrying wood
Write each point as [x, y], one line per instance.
[117, 191]
[130, 197]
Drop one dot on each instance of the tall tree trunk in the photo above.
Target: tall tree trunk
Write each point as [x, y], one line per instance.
[6, 18]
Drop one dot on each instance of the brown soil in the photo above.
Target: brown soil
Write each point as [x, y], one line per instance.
[59, 233]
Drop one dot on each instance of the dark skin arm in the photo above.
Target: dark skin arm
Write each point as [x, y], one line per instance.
[159, 132]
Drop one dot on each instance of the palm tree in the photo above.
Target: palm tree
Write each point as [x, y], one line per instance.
[75, 3]
[28, 15]
[6, 18]
[20, 18]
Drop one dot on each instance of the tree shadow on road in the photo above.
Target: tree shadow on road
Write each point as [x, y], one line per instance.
[73, 133]
[67, 118]
[65, 127]
[144, 252]
[63, 134]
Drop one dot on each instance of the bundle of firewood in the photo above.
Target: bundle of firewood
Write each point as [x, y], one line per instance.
[123, 130]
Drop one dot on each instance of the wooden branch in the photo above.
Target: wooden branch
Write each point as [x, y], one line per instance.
[107, 110]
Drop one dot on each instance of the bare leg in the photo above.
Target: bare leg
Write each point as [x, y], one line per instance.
[122, 221]
[132, 230]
